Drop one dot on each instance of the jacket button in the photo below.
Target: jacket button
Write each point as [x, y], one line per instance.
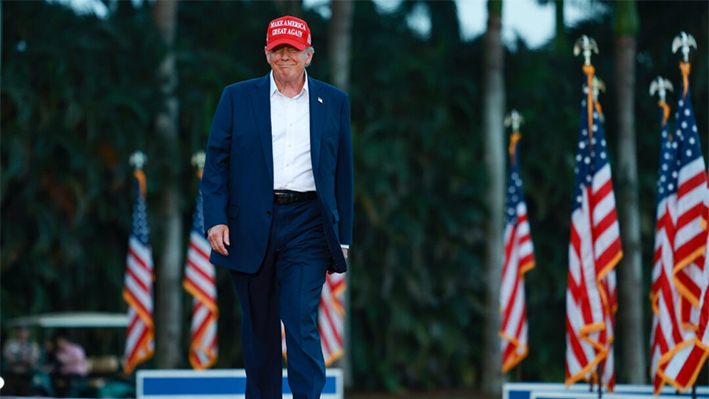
[268, 213]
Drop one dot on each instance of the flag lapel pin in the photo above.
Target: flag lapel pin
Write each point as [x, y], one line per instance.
[320, 100]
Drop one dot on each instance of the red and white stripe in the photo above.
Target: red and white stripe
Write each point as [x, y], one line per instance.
[200, 282]
[680, 364]
[690, 237]
[666, 331]
[284, 347]
[138, 293]
[585, 315]
[518, 260]
[331, 317]
[688, 349]
[610, 292]
[594, 251]
[684, 362]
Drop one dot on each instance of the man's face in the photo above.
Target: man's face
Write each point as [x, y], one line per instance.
[287, 62]
[62, 343]
[23, 334]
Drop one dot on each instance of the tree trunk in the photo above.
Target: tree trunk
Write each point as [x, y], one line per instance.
[630, 304]
[0, 43]
[340, 44]
[630, 298]
[560, 38]
[169, 273]
[493, 131]
[340, 51]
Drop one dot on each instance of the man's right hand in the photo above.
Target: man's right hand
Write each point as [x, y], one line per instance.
[219, 237]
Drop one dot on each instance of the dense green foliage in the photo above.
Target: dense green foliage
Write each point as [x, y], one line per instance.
[77, 98]
[79, 95]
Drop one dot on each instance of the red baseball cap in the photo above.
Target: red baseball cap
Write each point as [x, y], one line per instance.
[288, 30]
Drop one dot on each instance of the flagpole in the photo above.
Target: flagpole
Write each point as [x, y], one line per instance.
[597, 85]
[684, 362]
[138, 287]
[685, 42]
[514, 120]
[204, 341]
[517, 260]
[197, 161]
[660, 86]
[587, 46]
[600, 384]
[591, 331]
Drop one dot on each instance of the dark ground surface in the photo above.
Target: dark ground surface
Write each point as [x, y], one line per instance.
[437, 394]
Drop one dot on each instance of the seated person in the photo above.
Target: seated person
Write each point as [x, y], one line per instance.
[71, 364]
[21, 356]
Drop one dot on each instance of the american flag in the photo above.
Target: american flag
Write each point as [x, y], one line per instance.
[666, 325]
[594, 251]
[690, 242]
[138, 286]
[684, 366]
[689, 275]
[200, 282]
[518, 260]
[331, 319]
[681, 366]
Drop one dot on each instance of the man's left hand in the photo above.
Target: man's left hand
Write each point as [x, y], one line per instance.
[344, 253]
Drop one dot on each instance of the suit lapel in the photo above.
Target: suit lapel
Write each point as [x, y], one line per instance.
[317, 112]
[262, 115]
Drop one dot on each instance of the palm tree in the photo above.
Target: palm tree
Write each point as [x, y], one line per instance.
[493, 131]
[340, 44]
[169, 272]
[560, 44]
[340, 52]
[560, 37]
[630, 307]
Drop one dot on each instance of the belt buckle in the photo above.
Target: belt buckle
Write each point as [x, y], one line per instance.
[282, 198]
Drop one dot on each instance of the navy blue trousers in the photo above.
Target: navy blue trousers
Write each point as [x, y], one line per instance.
[286, 287]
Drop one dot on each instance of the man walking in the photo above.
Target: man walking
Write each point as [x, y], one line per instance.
[278, 204]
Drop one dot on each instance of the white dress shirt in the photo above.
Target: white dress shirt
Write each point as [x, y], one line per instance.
[290, 132]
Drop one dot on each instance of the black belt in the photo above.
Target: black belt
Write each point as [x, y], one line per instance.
[286, 197]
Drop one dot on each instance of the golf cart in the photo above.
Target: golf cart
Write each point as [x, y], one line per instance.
[103, 332]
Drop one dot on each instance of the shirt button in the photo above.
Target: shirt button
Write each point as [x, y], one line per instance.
[290, 124]
[287, 165]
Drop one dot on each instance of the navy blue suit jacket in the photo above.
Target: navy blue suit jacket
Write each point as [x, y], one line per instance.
[237, 183]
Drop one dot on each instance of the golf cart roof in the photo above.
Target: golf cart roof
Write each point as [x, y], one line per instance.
[72, 319]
